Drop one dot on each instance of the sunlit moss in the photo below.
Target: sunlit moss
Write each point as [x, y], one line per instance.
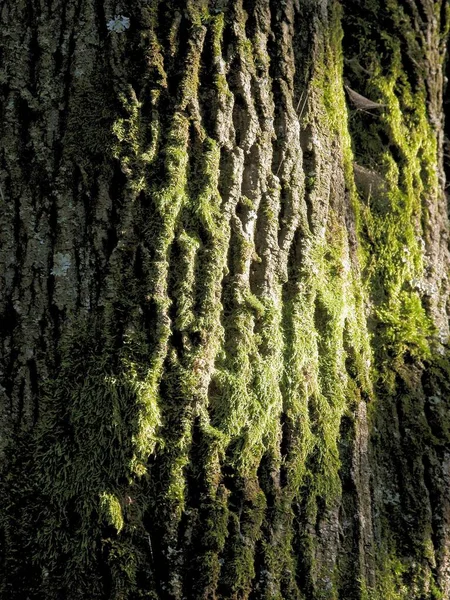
[195, 420]
[112, 511]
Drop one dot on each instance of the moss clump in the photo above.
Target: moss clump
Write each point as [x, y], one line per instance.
[111, 510]
[400, 144]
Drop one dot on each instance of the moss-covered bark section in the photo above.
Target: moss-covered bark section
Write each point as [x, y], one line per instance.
[225, 301]
[404, 236]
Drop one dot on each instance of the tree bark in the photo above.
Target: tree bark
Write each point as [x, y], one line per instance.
[224, 261]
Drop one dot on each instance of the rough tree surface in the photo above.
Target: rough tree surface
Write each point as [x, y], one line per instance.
[224, 300]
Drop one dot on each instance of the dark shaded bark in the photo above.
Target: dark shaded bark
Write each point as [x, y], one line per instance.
[224, 292]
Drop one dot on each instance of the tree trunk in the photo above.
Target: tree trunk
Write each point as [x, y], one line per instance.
[224, 263]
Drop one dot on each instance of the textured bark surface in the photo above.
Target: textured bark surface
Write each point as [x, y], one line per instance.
[224, 298]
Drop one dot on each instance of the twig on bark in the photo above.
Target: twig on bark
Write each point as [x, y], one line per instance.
[299, 117]
[361, 102]
[150, 545]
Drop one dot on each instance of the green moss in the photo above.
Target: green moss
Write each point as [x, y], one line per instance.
[394, 236]
[247, 399]
[111, 510]
[243, 532]
[398, 144]
[210, 414]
